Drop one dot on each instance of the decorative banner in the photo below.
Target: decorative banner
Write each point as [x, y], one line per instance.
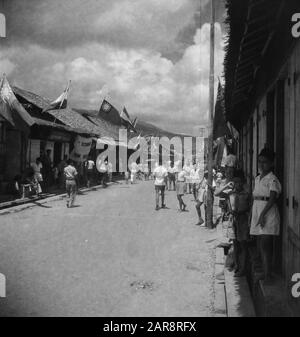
[82, 147]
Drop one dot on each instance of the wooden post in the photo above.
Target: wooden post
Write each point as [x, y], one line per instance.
[209, 209]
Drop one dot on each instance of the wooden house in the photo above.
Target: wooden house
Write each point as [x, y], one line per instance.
[262, 98]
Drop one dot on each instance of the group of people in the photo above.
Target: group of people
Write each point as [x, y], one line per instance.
[250, 217]
[185, 180]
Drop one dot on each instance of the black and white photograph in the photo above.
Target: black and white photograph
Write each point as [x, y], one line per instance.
[149, 161]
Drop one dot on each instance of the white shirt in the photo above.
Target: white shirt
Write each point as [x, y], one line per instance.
[36, 167]
[181, 176]
[70, 172]
[160, 174]
[134, 167]
[171, 169]
[90, 164]
[231, 160]
[262, 188]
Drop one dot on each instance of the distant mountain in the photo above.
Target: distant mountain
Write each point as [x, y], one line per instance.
[143, 128]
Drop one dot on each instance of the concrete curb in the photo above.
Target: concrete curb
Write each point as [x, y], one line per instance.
[220, 305]
[38, 202]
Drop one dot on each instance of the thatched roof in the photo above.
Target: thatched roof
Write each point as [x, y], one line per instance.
[106, 129]
[68, 117]
[43, 122]
[74, 120]
[35, 99]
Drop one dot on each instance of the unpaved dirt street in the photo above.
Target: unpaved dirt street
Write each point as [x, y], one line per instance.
[113, 255]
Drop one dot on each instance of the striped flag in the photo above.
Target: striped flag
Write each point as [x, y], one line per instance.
[61, 102]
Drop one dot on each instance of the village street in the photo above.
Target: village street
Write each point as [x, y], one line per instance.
[113, 255]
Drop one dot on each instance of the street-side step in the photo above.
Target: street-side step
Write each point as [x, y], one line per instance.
[238, 297]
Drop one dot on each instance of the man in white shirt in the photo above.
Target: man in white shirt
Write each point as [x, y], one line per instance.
[171, 176]
[160, 173]
[70, 173]
[89, 166]
[37, 166]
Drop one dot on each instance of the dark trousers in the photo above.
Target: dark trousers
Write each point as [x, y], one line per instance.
[71, 188]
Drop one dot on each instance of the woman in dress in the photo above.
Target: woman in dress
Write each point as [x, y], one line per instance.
[265, 219]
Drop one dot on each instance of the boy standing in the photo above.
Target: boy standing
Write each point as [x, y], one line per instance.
[70, 173]
[160, 174]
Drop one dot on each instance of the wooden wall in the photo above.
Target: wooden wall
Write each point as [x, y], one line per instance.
[283, 101]
[292, 173]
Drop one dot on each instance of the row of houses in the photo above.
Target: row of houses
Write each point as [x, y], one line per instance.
[53, 129]
[262, 101]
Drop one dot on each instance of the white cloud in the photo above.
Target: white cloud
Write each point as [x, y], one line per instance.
[6, 66]
[174, 95]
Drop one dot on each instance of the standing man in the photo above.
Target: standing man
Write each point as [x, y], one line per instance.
[133, 172]
[89, 166]
[70, 173]
[172, 176]
[104, 171]
[47, 168]
[37, 166]
[61, 166]
[160, 173]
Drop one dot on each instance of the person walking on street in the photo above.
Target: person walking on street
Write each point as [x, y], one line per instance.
[133, 172]
[180, 190]
[172, 177]
[160, 174]
[89, 166]
[70, 173]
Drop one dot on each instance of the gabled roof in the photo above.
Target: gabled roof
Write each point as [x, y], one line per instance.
[38, 101]
[69, 117]
[106, 129]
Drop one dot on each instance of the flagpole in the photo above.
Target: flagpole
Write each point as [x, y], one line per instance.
[209, 209]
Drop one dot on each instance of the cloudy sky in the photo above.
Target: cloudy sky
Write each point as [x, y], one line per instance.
[150, 55]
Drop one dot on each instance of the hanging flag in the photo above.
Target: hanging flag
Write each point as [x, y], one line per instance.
[134, 125]
[109, 113]
[126, 121]
[125, 115]
[12, 110]
[220, 127]
[134, 122]
[61, 102]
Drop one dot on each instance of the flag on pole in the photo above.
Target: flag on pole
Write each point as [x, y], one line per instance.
[109, 113]
[220, 127]
[12, 110]
[134, 122]
[125, 115]
[126, 120]
[61, 102]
